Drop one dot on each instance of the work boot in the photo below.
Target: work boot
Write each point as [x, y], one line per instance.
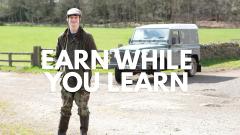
[84, 120]
[63, 125]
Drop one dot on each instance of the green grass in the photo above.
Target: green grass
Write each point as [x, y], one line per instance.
[40, 70]
[3, 105]
[231, 63]
[218, 35]
[211, 64]
[18, 129]
[23, 38]
[25, 69]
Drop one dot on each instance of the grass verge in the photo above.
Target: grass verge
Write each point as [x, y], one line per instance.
[209, 64]
[40, 70]
[221, 64]
[17, 129]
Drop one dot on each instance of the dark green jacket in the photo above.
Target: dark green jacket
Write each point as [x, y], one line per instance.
[82, 41]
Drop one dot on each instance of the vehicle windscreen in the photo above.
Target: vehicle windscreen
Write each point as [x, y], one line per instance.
[150, 35]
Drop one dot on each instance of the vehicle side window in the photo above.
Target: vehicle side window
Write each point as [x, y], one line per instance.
[175, 37]
[194, 37]
[188, 37]
[185, 36]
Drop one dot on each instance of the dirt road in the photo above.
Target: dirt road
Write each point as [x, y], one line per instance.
[210, 107]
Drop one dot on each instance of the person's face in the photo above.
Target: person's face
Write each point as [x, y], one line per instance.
[73, 20]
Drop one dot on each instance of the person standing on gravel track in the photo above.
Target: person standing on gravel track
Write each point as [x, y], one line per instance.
[75, 38]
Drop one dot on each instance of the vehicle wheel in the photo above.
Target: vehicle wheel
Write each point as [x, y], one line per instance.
[193, 70]
[118, 75]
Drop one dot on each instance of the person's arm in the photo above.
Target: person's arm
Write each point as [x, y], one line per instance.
[91, 46]
[58, 51]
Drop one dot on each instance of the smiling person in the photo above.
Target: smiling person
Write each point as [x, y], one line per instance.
[75, 38]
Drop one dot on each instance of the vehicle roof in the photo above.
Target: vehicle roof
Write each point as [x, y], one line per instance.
[170, 26]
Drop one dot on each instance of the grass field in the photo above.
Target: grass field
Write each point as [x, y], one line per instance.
[23, 38]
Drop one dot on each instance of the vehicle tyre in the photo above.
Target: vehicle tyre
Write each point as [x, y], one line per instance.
[118, 75]
[193, 70]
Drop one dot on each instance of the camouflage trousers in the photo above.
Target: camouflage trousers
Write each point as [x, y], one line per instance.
[80, 97]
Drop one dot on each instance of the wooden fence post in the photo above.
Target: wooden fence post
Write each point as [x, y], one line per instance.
[10, 59]
[32, 57]
[36, 57]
